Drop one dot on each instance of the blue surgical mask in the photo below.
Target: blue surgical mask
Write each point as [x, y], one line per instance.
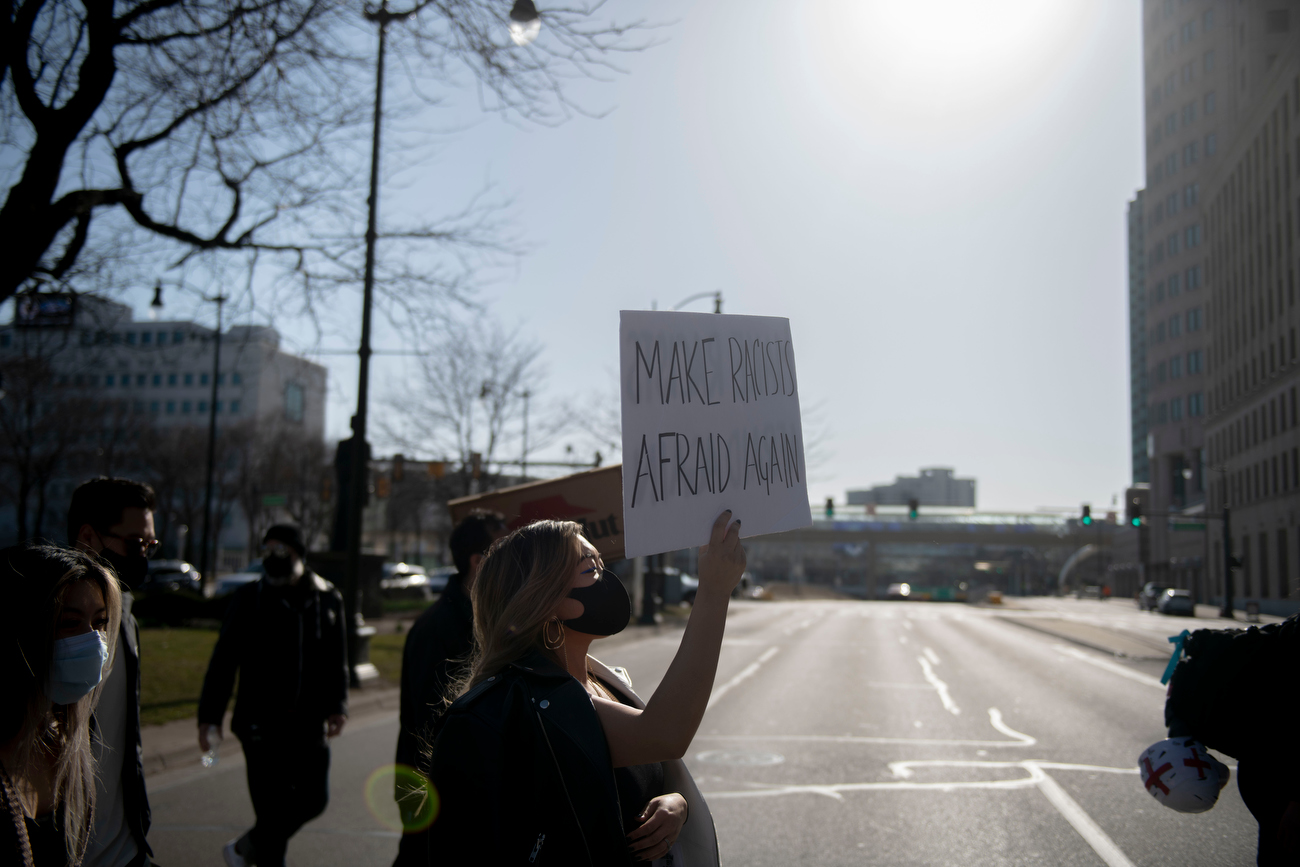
[77, 667]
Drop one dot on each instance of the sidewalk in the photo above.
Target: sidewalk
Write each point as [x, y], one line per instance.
[1116, 627]
[174, 746]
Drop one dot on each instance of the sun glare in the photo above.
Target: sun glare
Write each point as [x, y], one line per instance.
[942, 63]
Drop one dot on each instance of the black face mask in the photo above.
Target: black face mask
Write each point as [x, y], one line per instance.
[278, 566]
[131, 569]
[606, 607]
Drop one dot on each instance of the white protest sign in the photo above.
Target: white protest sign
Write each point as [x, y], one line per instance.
[710, 422]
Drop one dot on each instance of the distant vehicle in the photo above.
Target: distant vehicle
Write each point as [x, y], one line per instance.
[1176, 603]
[405, 581]
[172, 575]
[228, 584]
[898, 591]
[1090, 591]
[690, 585]
[439, 577]
[1150, 595]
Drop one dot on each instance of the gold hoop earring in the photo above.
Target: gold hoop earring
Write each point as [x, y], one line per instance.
[558, 641]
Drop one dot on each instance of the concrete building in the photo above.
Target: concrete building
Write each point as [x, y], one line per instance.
[157, 374]
[1137, 340]
[1251, 429]
[1208, 67]
[935, 486]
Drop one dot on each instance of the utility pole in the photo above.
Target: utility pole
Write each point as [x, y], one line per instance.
[524, 462]
[205, 560]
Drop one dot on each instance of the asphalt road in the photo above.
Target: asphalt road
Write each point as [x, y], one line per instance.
[848, 733]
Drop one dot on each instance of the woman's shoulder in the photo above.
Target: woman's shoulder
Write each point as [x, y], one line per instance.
[517, 685]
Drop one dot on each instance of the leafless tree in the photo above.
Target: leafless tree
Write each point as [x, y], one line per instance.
[190, 130]
[468, 398]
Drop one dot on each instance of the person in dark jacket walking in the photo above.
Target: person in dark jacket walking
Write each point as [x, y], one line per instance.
[285, 636]
[544, 758]
[113, 518]
[439, 642]
[1235, 693]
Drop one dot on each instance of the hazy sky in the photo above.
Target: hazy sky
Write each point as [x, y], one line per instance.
[934, 194]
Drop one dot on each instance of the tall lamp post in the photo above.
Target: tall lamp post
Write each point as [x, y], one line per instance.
[205, 552]
[524, 26]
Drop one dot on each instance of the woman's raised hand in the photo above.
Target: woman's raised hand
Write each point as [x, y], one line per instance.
[722, 561]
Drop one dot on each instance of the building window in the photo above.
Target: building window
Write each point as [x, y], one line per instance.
[1192, 235]
[1195, 363]
[221, 379]
[1192, 279]
[203, 406]
[1209, 101]
[1162, 370]
[171, 407]
[108, 381]
[130, 338]
[139, 380]
[1176, 409]
[178, 337]
[185, 406]
[1175, 326]
[220, 406]
[1171, 244]
[1207, 21]
[1160, 291]
[1160, 334]
[1211, 144]
[1176, 367]
[234, 407]
[1162, 412]
[1173, 285]
[5, 340]
[1207, 65]
[1189, 113]
[1196, 404]
[153, 407]
[1171, 164]
[157, 380]
[171, 379]
[203, 379]
[162, 338]
[146, 337]
[189, 379]
[1194, 319]
[293, 401]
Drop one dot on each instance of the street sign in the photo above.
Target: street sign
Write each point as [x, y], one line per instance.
[44, 310]
[710, 422]
[593, 498]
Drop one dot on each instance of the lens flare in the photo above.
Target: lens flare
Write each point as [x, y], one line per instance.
[401, 798]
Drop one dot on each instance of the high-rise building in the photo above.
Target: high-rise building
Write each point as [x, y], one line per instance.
[1251, 433]
[1210, 67]
[1137, 339]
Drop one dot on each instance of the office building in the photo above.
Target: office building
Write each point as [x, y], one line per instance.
[935, 486]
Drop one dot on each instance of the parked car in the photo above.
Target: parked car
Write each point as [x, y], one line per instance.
[1150, 595]
[898, 591]
[439, 577]
[405, 581]
[690, 585]
[1089, 591]
[1176, 603]
[227, 584]
[172, 575]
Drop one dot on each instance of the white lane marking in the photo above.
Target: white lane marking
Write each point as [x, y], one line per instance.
[748, 672]
[995, 719]
[941, 687]
[803, 624]
[1087, 828]
[930, 655]
[1113, 667]
[882, 685]
[907, 623]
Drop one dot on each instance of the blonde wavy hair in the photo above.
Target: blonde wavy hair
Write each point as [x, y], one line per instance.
[520, 582]
[34, 581]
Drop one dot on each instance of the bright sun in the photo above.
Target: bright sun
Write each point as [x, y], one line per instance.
[939, 63]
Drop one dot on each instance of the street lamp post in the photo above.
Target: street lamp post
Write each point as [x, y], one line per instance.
[205, 551]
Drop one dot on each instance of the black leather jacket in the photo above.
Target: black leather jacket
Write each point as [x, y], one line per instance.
[523, 772]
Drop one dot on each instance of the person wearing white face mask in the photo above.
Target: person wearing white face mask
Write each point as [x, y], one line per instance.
[285, 636]
[59, 628]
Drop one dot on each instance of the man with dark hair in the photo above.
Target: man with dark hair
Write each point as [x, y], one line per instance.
[114, 519]
[439, 641]
[285, 635]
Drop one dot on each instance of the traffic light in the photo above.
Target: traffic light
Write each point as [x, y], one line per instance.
[1086, 520]
[830, 508]
[913, 509]
[1135, 513]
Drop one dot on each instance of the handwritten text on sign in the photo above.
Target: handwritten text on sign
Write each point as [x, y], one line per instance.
[710, 422]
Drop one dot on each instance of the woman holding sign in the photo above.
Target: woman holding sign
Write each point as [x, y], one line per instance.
[547, 756]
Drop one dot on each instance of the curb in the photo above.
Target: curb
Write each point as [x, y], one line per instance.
[182, 751]
[1074, 639]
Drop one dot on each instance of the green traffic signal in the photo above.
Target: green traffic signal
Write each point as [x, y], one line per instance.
[1086, 520]
[1137, 522]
